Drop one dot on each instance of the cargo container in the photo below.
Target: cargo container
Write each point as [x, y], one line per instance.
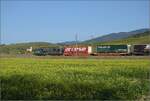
[39, 52]
[113, 49]
[77, 50]
[139, 49]
[49, 51]
[55, 51]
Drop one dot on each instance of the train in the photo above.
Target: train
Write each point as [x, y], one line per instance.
[49, 51]
[95, 50]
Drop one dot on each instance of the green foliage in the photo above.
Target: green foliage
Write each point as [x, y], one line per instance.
[20, 48]
[78, 79]
[142, 34]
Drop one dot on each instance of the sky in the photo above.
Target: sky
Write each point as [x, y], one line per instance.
[59, 21]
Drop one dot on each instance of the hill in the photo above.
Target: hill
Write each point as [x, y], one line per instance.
[136, 37]
[68, 43]
[116, 36]
[20, 48]
[141, 38]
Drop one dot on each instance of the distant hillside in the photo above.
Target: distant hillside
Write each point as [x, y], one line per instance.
[141, 38]
[116, 36]
[134, 37]
[20, 48]
[68, 43]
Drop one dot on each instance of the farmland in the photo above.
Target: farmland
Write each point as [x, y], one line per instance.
[104, 79]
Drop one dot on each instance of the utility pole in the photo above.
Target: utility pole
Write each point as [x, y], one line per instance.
[92, 37]
[76, 39]
[92, 43]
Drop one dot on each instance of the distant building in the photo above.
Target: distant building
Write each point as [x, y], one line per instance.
[29, 49]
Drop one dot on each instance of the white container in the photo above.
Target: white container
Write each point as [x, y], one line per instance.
[89, 49]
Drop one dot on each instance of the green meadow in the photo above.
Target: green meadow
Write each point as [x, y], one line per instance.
[78, 79]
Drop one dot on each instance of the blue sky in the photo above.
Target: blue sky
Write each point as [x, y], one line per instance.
[58, 21]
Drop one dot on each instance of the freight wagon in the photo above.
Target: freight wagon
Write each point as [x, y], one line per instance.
[112, 49]
[141, 49]
[49, 51]
[55, 51]
[39, 52]
[77, 50]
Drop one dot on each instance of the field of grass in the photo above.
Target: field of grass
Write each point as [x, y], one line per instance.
[104, 79]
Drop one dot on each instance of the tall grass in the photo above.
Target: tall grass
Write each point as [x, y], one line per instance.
[103, 79]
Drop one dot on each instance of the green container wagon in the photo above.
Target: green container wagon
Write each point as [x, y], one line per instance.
[112, 49]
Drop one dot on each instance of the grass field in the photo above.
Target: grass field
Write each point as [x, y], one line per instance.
[110, 79]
